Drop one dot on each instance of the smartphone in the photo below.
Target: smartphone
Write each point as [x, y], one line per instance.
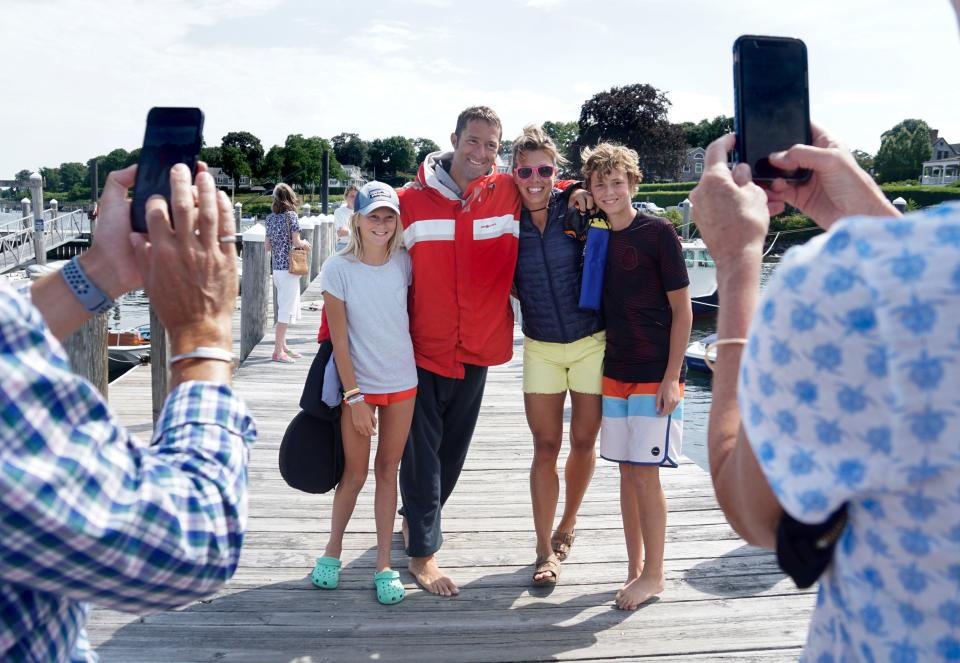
[772, 102]
[173, 135]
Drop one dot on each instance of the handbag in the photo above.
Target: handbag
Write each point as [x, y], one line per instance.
[297, 256]
[311, 452]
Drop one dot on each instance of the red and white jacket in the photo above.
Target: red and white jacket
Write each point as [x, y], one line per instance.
[464, 253]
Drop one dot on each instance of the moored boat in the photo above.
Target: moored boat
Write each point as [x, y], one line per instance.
[696, 352]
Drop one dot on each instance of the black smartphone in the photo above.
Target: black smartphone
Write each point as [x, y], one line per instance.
[173, 135]
[772, 102]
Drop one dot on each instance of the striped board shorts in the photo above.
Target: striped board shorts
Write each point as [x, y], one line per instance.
[632, 432]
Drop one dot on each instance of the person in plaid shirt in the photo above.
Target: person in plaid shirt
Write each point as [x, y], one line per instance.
[88, 513]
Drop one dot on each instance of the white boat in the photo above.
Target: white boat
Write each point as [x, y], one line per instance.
[702, 272]
[697, 351]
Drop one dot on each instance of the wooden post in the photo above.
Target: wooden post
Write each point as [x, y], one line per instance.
[306, 232]
[255, 289]
[328, 238]
[54, 209]
[87, 350]
[325, 184]
[158, 363]
[36, 192]
[94, 194]
[685, 205]
[237, 214]
[25, 207]
[316, 251]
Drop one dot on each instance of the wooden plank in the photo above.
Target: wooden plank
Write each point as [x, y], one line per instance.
[724, 600]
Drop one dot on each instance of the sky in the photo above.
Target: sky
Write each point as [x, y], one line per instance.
[81, 75]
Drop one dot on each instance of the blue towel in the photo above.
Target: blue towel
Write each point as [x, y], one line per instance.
[594, 264]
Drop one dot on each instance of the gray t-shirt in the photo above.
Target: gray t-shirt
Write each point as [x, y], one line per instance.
[377, 323]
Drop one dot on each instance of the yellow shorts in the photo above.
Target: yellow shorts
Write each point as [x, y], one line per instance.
[553, 368]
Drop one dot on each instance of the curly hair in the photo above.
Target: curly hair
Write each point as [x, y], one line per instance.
[607, 157]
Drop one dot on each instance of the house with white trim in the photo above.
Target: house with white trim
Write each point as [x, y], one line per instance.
[944, 166]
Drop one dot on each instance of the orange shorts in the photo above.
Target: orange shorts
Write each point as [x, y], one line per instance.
[390, 399]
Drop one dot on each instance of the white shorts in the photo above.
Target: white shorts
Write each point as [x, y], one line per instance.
[288, 296]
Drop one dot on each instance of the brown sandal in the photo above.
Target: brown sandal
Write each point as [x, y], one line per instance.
[548, 564]
[561, 543]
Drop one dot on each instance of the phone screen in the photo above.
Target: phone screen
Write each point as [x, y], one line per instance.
[173, 136]
[772, 112]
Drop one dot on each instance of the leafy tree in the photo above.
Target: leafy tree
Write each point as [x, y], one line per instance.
[272, 168]
[564, 134]
[635, 116]
[51, 179]
[303, 160]
[903, 149]
[212, 156]
[506, 148]
[392, 159]
[706, 131]
[249, 146]
[235, 163]
[863, 159]
[349, 149]
[424, 147]
[115, 160]
[73, 174]
[133, 157]
[23, 176]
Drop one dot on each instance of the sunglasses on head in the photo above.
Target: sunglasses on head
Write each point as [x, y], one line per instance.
[524, 172]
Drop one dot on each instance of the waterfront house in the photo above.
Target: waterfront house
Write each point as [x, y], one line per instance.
[693, 165]
[944, 166]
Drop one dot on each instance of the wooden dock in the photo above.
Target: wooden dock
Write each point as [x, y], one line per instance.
[724, 600]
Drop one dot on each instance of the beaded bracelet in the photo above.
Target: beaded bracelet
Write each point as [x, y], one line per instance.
[353, 400]
[350, 392]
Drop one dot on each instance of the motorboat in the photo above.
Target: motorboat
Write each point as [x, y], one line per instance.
[697, 351]
[702, 272]
[127, 348]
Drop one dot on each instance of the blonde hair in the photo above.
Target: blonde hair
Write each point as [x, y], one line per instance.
[532, 139]
[284, 199]
[351, 187]
[607, 157]
[354, 245]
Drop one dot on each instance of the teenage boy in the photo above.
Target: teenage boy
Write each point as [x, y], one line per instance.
[646, 303]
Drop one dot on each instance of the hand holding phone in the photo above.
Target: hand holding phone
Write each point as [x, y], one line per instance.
[173, 136]
[772, 103]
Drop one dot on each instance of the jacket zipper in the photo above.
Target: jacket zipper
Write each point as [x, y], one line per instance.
[546, 266]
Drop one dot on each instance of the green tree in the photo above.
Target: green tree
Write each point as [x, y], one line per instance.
[51, 179]
[863, 159]
[350, 149]
[23, 176]
[272, 168]
[635, 116]
[564, 134]
[392, 158]
[211, 156]
[106, 164]
[706, 131]
[303, 160]
[423, 147]
[249, 145]
[235, 163]
[73, 174]
[903, 149]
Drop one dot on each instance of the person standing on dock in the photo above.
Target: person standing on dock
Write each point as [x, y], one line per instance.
[646, 305]
[835, 425]
[283, 234]
[341, 217]
[89, 514]
[460, 227]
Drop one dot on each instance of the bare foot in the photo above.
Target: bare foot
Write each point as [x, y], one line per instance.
[429, 576]
[638, 591]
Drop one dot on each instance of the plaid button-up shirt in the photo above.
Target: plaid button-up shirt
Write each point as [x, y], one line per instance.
[90, 514]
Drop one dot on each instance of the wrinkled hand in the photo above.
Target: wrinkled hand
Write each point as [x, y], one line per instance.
[668, 397]
[111, 249]
[730, 210]
[582, 200]
[364, 419]
[190, 275]
[837, 188]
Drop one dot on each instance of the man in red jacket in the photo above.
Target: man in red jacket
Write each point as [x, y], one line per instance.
[461, 222]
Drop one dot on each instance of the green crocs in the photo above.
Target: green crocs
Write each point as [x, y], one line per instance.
[389, 588]
[326, 574]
